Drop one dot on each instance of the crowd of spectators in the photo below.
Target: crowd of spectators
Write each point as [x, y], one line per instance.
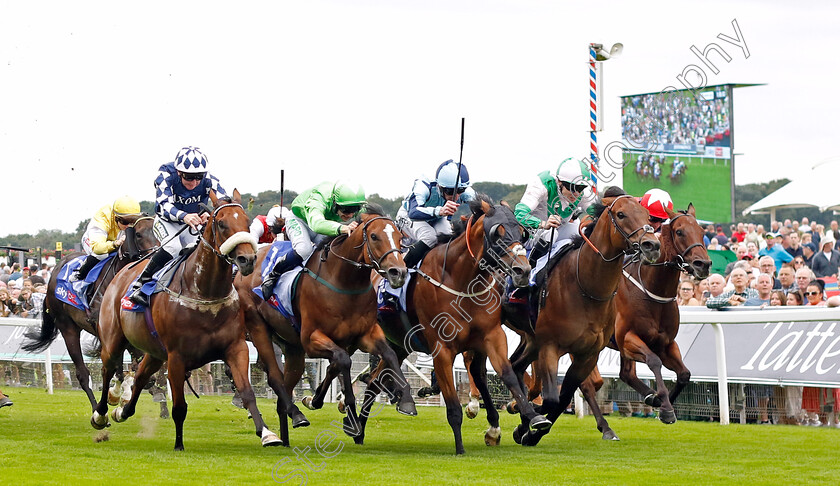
[675, 120]
[22, 290]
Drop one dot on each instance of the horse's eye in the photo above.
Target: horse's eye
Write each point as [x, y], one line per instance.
[620, 215]
[373, 237]
[679, 232]
[223, 225]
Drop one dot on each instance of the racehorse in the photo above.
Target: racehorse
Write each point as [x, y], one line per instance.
[70, 321]
[453, 306]
[648, 318]
[195, 320]
[579, 312]
[336, 306]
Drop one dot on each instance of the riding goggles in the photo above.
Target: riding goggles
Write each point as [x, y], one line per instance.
[574, 187]
[450, 191]
[193, 177]
[348, 209]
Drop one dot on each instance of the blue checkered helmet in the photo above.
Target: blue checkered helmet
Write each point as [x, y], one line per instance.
[190, 160]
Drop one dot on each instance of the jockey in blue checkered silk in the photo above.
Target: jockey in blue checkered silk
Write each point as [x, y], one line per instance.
[426, 211]
[180, 187]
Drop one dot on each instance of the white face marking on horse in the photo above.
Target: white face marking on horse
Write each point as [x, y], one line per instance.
[235, 215]
[389, 230]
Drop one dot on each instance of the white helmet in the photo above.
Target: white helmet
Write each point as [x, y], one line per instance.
[190, 160]
[573, 171]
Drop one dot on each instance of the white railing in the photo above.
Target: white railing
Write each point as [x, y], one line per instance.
[23, 323]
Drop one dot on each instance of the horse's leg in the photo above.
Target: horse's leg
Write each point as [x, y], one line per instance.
[635, 349]
[177, 376]
[443, 370]
[321, 346]
[148, 367]
[534, 386]
[672, 359]
[472, 408]
[381, 381]
[495, 347]
[72, 340]
[113, 346]
[478, 374]
[316, 401]
[236, 356]
[590, 387]
[285, 408]
[546, 371]
[374, 342]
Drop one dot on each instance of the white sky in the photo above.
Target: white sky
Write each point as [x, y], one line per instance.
[95, 96]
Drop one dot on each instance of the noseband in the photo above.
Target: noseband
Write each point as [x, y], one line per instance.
[229, 244]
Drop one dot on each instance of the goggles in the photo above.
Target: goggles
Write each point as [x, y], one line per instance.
[348, 209]
[574, 187]
[192, 177]
[450, 191]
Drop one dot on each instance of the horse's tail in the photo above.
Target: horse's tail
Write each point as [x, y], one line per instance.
[41, 338]
[94, 349]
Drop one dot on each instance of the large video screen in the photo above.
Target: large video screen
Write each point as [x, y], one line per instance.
[682, 143]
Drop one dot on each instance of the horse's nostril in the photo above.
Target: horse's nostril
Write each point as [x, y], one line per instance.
[518, 271]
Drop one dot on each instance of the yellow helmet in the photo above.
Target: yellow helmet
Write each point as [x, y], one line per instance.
[125, 206]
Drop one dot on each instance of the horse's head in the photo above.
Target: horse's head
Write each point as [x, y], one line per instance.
[381, 240]
[630, 220]
[502, 237]
[227, 233]
[686, 242]
[139, 237]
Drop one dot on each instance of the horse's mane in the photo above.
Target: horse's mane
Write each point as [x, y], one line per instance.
[374, 209]
[132, 218]
[459, 225]
[597, 210]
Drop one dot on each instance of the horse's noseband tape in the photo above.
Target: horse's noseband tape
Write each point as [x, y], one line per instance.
[237, 239]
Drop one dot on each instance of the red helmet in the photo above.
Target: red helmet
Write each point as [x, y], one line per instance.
[656, 201]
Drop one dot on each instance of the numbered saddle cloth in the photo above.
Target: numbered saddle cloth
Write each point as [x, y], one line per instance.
[75, 293]
[284, 291]
[162, 278]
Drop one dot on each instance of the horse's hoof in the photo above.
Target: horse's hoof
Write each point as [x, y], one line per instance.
[540, 423]
[359, 439]
[518, 432]
[116, 414]
[512, 408]
[299, 420]
[493, 436]
[307, 402]
[179, 447]
[352, 431]
[531, 439]
[269, 438]
[342, 407]
[609, 435]
[653, 401]
[114, 397]
[99, 422]
[667, 416]
[407, 408]
[471, 410]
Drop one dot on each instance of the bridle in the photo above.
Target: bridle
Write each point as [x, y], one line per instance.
[634, 249]
[376, 263]
[225, 249]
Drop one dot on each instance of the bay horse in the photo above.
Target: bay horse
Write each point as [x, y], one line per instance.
[336, 306]
[579, 313]
[648, 317]
[195, 320]
[70, 321]
[453, 306]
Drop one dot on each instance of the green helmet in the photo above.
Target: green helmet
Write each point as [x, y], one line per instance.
[573, 171]
[348, 194]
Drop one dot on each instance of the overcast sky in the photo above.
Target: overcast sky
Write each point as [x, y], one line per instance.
[96, 95]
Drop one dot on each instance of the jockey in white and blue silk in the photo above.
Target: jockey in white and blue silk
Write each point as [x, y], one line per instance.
[181, 186]
[426, 212]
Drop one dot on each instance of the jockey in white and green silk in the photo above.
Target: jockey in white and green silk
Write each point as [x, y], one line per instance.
[426, 212]
[317, 213]
[554, 204]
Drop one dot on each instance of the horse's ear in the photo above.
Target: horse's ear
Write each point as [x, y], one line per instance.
[486, 207]
[237, 198]
[691, 209]
[505, 204]
[214, 198]
[670, 213]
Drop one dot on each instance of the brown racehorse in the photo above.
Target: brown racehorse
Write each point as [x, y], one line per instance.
[337, 309]
[579, 313]
[648, 317]
[197, 320]
[453, 306]
[70, 321]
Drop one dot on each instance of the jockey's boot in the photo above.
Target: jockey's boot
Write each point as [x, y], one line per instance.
[81, 272]
[283, 265]
[416, 253]
[157, 262]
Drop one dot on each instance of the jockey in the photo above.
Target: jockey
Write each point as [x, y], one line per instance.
[181, 186]
[656, 201]
[104, 234]
[316, 213]
[553, 204]
[265, 228]
[425, 213]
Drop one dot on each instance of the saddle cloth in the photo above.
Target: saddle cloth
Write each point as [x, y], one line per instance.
[75, 293]
[163, 277]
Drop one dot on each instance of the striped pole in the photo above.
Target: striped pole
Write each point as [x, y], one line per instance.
[594, 80]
